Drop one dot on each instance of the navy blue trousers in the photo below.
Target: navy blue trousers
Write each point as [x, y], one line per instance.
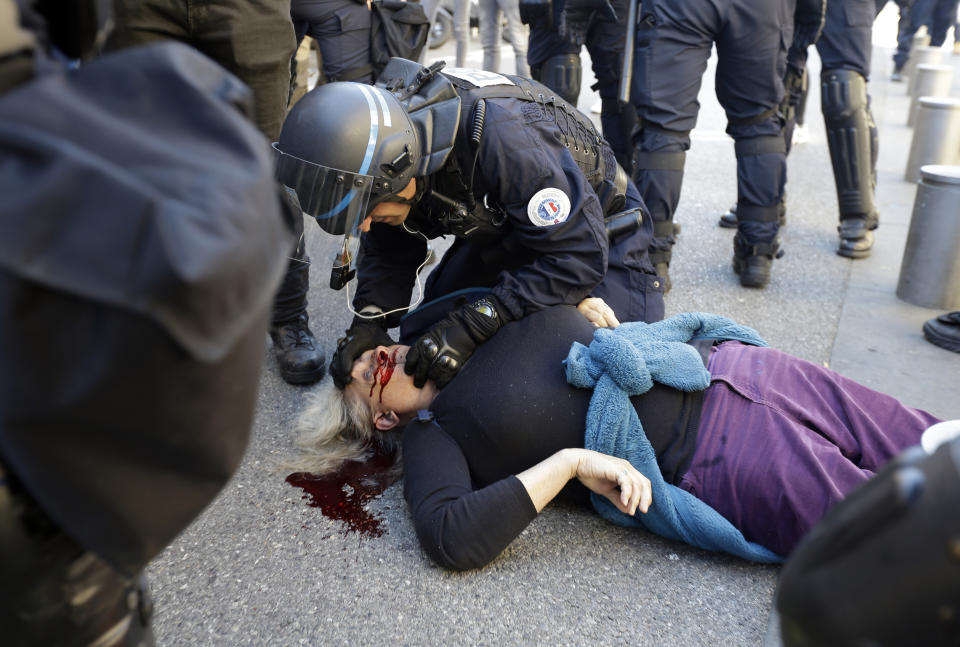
[674, 41]
[605, 42]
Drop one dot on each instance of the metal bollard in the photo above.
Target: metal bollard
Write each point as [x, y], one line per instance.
[921, 56]
[930, 270]
[932, 81]
[936, 135]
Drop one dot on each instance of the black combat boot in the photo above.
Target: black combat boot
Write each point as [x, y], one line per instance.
[856, 236]
[944, 331]
[752, 262]
[299, 358]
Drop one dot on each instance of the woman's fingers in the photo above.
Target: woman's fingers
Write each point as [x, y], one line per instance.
[635, 490]
[598, 312]
[616, 479]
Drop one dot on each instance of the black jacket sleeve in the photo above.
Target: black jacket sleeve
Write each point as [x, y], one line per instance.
[808, 20]
[386, 270]
[520, 155]
[459, 527]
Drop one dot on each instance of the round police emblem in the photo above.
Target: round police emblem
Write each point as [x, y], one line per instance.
[548, 207]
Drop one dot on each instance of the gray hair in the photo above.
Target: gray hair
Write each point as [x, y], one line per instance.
[335, 428]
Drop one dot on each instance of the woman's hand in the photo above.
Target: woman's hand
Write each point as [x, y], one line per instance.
[612, 477]
[598, 312]
[615, 479]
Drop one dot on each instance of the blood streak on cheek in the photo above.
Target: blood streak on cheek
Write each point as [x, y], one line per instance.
[385, 366]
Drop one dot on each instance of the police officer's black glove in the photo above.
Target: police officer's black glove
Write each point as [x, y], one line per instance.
[363, 335]
[576, 16]
[442, 351]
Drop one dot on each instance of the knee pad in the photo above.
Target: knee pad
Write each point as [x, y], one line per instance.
[846, 114]
[562, 74]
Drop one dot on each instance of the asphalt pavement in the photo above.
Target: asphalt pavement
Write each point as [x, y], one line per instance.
[261, 567]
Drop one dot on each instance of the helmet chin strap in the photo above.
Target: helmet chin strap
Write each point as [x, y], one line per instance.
[413, 305]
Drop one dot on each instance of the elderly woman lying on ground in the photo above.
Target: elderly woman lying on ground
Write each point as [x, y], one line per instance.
[690, 427]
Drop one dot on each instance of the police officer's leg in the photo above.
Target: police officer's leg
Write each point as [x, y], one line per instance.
[845, 49]
[761, 176]
[255, 41]
[54, 591]
[605, 42]
[793, 107]
[461, 30]
[514, 31]
[750, 89]
[561, 73]
[943, 17]
[919, 15]
[490, 33]
[671, 57]
[904, 36]
[553, 61]
[430, 8]
[139, 22]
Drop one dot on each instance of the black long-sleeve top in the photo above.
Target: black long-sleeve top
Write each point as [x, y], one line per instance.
[508, 409]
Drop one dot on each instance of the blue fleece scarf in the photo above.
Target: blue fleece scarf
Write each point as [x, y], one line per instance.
[625, 361]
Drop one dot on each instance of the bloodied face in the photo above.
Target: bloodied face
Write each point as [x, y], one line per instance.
[380, 381]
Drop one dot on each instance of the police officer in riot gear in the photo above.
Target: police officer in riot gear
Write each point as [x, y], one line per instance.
[674, 40]
[256, 42]
[808, 24]
[845, 49]
[141, 242]
[516, 174]
[558, 31]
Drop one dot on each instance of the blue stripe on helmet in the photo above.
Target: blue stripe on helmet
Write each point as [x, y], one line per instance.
[367, 156]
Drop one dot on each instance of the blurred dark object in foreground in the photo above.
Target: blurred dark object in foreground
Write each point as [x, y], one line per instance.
[883, 567]
[141, 243]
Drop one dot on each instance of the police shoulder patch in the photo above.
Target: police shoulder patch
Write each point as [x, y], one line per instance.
[548, 206]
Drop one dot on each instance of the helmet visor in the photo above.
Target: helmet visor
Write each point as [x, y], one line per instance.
[337, 199]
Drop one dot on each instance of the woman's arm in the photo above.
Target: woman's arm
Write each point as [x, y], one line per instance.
[462, 527]
[606, 475]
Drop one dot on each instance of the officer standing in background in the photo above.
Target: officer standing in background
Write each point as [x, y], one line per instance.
[845, 47]
[342, 31]
[558, 31]
[141, 244]
[253, 39]
[904, 40]
[808, 25]
[674, 40]
[520, 178]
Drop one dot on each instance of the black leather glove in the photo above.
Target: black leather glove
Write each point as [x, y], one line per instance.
[443, 350]
[363, 335]
[576, 16]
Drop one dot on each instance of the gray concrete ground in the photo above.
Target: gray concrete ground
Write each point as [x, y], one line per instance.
[260, 567]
